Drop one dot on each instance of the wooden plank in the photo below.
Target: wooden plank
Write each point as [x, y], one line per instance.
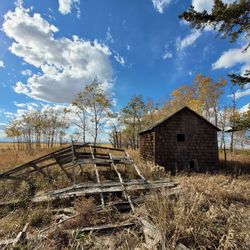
[110, 183]
[27, 164]
[151, 234]
[101, 188]
[114, 149]
[136, 168]
[64, 171]
[21, 236]
[15, 178]
[74, 164]
[181, 247]
[127, 196]
[102, 227]
[40, 170]
[34, 170]
[97, 175]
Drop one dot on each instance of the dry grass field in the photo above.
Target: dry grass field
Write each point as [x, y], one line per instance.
[212, 211]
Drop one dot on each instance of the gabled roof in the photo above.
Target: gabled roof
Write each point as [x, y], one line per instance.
[179, 110]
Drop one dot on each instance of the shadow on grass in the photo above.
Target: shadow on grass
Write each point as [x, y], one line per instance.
[234, 167]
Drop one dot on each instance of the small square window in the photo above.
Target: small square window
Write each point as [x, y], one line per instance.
[180, 138]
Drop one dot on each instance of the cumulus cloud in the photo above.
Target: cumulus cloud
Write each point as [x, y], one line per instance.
[232, 57]
[160, 5]
[2, 64]
[66, 65]
[188, 40]
[65, 6]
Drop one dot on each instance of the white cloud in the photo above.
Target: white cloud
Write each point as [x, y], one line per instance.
[2, 125]
[245, 108]
[2, 64]
[109, 36]
[26, 72]
[200, 5]
[242, 93]
[232, 57]
[245, 91]
[188, 40]
[119, 59]
[160, 5]
[66, 64]
[21, 88]
[26, 105]
[65, 6]
[167, 55]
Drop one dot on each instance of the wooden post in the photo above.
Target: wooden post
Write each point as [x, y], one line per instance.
[73, 161]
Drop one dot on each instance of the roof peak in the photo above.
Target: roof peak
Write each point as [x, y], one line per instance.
[172, 114]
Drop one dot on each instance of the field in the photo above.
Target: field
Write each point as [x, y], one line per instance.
[212, 211]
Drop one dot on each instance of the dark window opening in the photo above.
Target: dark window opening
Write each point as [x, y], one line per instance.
[191, 165]
[180, 137]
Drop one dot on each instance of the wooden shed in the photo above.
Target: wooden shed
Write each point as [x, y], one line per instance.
[182, 141]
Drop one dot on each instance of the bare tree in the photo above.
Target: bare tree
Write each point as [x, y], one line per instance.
[94, 105]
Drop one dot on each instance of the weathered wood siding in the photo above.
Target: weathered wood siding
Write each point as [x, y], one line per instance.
[147, 146]
[198, 152]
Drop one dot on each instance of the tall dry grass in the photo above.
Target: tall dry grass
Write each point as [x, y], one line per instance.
[212, 212]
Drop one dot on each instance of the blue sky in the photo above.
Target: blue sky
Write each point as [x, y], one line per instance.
[50, 49]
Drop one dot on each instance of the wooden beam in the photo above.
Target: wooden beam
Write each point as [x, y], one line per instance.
[103, 227]
[96, 188]
[40, 170]
[21, 236]
[136, 168]
[74, 164]
[114, 149]
[15, 178]
[64, 171]
[97, 175]
[127, 196]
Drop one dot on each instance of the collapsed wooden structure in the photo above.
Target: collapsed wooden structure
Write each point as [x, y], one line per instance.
[77, 159]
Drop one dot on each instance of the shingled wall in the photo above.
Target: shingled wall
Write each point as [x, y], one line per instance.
[198, 152]
[147, 146]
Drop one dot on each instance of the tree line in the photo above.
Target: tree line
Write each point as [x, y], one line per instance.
[203, 96]
[91, 112]
[37, 127]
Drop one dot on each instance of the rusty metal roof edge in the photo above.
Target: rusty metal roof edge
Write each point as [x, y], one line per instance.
[166, 118]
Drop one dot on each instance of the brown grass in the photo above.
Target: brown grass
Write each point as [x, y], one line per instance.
[212, 212]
